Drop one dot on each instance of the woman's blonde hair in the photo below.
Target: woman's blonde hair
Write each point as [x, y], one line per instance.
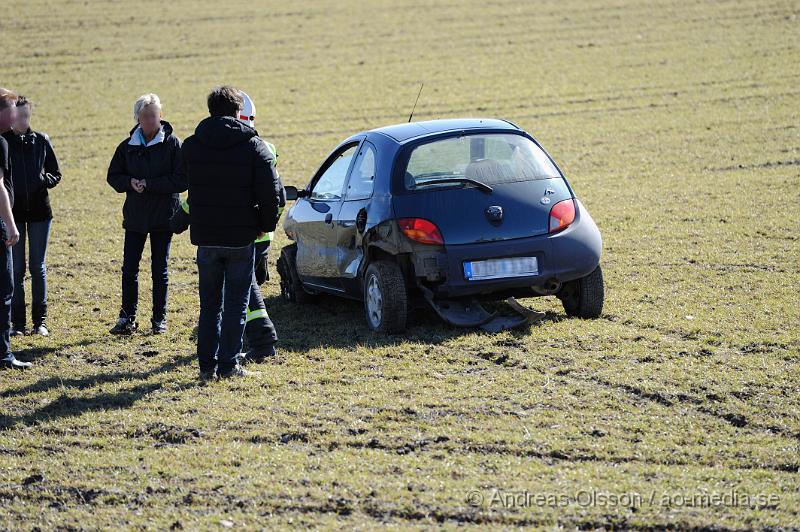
[143, 101]
[7, 98]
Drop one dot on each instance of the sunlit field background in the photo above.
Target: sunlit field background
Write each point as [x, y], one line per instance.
[676, 124]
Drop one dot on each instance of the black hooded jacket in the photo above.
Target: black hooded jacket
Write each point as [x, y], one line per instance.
[35, 171]
[150, 210]
[234, 189]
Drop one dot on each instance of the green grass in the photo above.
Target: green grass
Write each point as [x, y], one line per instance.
[677, 125]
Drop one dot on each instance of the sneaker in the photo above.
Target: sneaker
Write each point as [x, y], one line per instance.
[160, 326]
[209, 375]
[11, 362]
[40, 329]
[15, 331]
[125, 326]
[236, 371]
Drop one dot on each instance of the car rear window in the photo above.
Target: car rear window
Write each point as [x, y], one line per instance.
[490, 158]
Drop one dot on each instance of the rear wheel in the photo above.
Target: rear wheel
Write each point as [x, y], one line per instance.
[291, 286]
[385, 297]
[583, 298]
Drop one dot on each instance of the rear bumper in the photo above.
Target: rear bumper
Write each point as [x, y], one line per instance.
[564, 256]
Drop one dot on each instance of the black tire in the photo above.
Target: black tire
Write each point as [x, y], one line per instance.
[393, 297]
[583, 298]
[291, 287]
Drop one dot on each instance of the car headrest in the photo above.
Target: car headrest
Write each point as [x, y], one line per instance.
[485, 170]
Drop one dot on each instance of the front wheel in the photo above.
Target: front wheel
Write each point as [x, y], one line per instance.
[385, 297]
[583, 298]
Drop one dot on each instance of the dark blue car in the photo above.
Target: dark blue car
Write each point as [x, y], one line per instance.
[446, 213]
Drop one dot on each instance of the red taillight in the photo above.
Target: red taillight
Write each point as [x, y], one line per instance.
[421, 230]
[561, 215]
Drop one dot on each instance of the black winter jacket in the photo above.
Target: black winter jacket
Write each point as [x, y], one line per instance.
[35, 171]
[234, 189]
[5, 165]
[158, 164]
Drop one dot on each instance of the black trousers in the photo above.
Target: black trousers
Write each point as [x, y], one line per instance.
[132, 254]
[6, 293]
[260, 332]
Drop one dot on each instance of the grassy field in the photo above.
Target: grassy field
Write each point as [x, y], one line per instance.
[678, 126]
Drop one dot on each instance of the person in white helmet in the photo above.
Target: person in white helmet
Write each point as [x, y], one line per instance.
[260, 333]
[259, 330]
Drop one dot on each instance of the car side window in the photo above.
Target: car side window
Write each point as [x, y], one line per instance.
[330, 184]
[362, 178]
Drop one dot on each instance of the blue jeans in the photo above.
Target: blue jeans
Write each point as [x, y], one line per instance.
[225, 275]
[6, 293]
[37, 234]
[159, 266]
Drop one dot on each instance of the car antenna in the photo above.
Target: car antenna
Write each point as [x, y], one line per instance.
[415, 101]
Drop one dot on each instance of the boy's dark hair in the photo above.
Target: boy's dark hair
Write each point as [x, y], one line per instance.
[225, 101]
[23, 101]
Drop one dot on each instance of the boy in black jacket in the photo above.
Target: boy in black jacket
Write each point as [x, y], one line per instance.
[234, 193]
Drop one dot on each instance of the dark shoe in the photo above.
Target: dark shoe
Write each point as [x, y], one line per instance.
[17, 331]
[40, 329]
[260, 355]
[160, 326]
[209, 375]
[11, 362]
[236, 371]
[125, 326]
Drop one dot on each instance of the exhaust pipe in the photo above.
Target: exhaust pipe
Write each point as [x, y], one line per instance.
[550, 287]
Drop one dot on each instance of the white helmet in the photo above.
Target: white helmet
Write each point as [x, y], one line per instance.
[248, 112]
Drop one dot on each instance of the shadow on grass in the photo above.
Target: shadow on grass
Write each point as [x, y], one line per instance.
[328, 322]
[68, 406]
[88, 381]
[340, 323]
[30, 354]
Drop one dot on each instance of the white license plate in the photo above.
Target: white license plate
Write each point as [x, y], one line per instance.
[480, 270]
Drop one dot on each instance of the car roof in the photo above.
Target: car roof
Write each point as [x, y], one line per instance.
[404, 132]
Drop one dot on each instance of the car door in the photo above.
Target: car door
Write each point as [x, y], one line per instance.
[352, 215]
[316, 215]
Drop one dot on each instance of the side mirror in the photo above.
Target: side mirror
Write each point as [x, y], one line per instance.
[293, 194]
[361, 220]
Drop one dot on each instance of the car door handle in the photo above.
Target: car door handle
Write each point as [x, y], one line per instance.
[329, 218]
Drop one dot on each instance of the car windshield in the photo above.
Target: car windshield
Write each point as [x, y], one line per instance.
[491, 159]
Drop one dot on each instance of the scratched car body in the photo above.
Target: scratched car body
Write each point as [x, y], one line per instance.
[447, 213]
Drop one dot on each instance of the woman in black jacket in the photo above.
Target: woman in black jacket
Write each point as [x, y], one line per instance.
[35, 172]
[145, 168]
